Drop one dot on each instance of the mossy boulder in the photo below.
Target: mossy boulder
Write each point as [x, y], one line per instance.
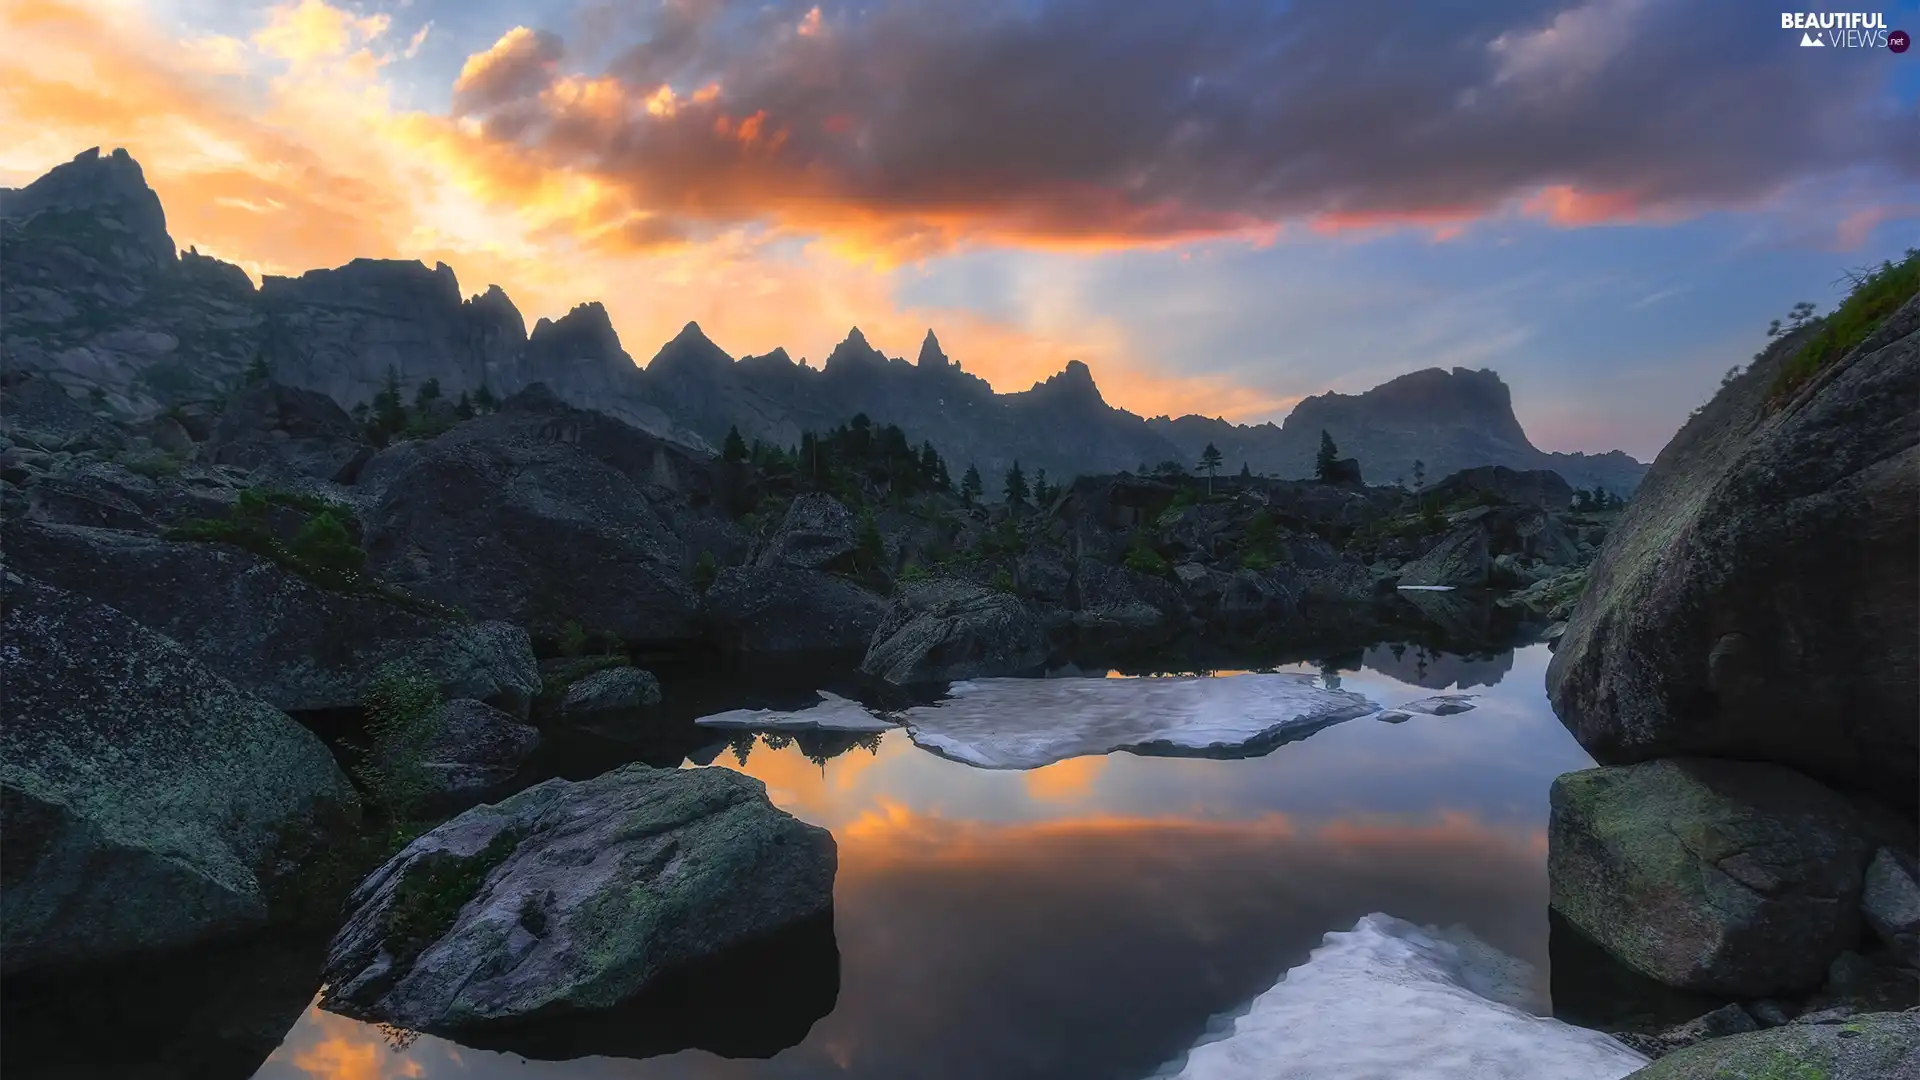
[1732, 878]
[1872, 1046]
[147, 802]
[570, 898]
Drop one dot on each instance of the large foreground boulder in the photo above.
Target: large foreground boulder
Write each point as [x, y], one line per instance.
[276, 635]
[573, 897]
[1756, 599]
[1731, 878]
[784, 609]
[1873, 1046]
[143, 797]
[946, 629]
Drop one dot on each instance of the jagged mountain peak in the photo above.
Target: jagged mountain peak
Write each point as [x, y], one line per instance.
[586, 332]
[931, 355]
[1073, 383]
[854, 351]
[111, 188]
[689, 350]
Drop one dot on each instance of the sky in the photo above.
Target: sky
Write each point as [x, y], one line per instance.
[1221, 206]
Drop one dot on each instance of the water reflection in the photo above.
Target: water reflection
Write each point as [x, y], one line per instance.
[1085, 919]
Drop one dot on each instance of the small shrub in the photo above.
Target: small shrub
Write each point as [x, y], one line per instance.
[402, 719]
[1004, 582]
[1143, 558]
[152, 464]
[1255, 560]
[705, 569]
[324, 543]
[573, 638]
[1875, 296]
[913, 572]
[436, 886]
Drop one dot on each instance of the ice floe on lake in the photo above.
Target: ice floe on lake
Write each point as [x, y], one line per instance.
[1437, 705]
[1027, 723]
[833, 713]
[1391, 999]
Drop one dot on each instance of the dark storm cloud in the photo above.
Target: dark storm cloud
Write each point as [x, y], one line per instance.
[1098, 121]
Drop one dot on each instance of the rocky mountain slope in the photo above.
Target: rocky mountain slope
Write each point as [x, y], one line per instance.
[1446, 420]
[94, 297]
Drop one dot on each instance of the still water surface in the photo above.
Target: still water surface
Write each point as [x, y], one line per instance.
[1086, 919]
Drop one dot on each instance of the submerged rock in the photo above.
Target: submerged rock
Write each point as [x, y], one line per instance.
[946, 629]
[1875, 1046]
[1390, 999]
[1730, 878]
[274, 634]
[144, 797]
[570, 898]
[1756, 600]
[1721, 1022]
[1027, 723]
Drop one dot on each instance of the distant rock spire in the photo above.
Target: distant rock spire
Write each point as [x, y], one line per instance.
[930, 354]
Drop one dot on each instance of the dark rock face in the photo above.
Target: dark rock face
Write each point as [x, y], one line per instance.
[574, 897]
[817, 532]
[945, 630]
[1460, 560]
[1891, 904]
[1756, 599]
[39, 412]
[784, 610]
[1718, 1024]
[94, 300]
[476, 748]
[1720, 877]
[144, 796]
[1535, 487]
[617, 689]
[523, 516]
[1877, 1046]
[283, 431]
[273, 634]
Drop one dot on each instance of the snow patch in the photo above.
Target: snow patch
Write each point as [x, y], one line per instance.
[1425, 588]
[833, 713]
[1027, 723]
[1391, 999]
[1437, 705]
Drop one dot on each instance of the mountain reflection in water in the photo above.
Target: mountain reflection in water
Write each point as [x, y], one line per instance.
[1087, 918]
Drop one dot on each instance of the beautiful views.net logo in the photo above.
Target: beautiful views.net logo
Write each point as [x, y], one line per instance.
[1844, 30]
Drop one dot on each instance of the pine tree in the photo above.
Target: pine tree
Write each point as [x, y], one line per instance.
[929, 464]
[1210, 461]
[1419, 474]
[1323, 463]
[1016, 486]
[463, 408]
[1245, 473]
[970, 486]
[1042, 491]
[734, 450]
[483, 399]
[257, 370]
[428, 393]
